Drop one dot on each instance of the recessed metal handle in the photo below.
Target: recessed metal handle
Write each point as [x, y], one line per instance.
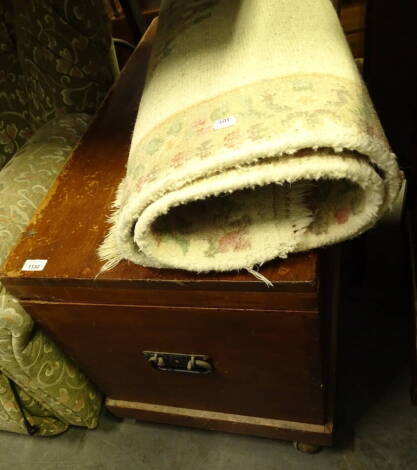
[177, 362]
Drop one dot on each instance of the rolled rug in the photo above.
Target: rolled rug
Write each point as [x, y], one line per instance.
[255, 138]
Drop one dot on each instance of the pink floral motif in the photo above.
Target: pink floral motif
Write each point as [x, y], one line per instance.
[342, 215]
[141, 182]
[231, 139]
[148, 178]
[178, 159]
[234, 241]
[200, 126]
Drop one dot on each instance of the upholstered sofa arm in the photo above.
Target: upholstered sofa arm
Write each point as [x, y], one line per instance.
[48, 392]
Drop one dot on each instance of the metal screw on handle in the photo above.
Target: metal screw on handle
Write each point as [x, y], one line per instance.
[194, 363]
[157, 361]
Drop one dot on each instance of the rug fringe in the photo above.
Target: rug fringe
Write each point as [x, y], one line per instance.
[260, 277]
[108, 251]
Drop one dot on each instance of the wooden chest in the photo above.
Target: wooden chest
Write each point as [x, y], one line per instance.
[248, 358]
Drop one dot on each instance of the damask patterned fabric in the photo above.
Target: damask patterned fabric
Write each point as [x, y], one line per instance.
[56, 62]
[22, 414]
[15, 123]
[11, 414]
[56, 57]
[265, 141]
[48, 392]
[64, 50]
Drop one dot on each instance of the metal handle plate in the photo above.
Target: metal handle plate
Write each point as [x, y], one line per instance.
[177, 362]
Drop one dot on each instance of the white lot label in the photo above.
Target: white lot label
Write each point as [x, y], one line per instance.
[34, 265]
[225, 122]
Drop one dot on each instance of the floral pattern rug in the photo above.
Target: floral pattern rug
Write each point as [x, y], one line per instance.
[248, 147]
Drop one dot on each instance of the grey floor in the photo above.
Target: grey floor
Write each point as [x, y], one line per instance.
[376, 425]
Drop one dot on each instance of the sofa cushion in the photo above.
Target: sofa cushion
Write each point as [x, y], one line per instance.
[23, 414]
[25, 179]
[51, 383]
